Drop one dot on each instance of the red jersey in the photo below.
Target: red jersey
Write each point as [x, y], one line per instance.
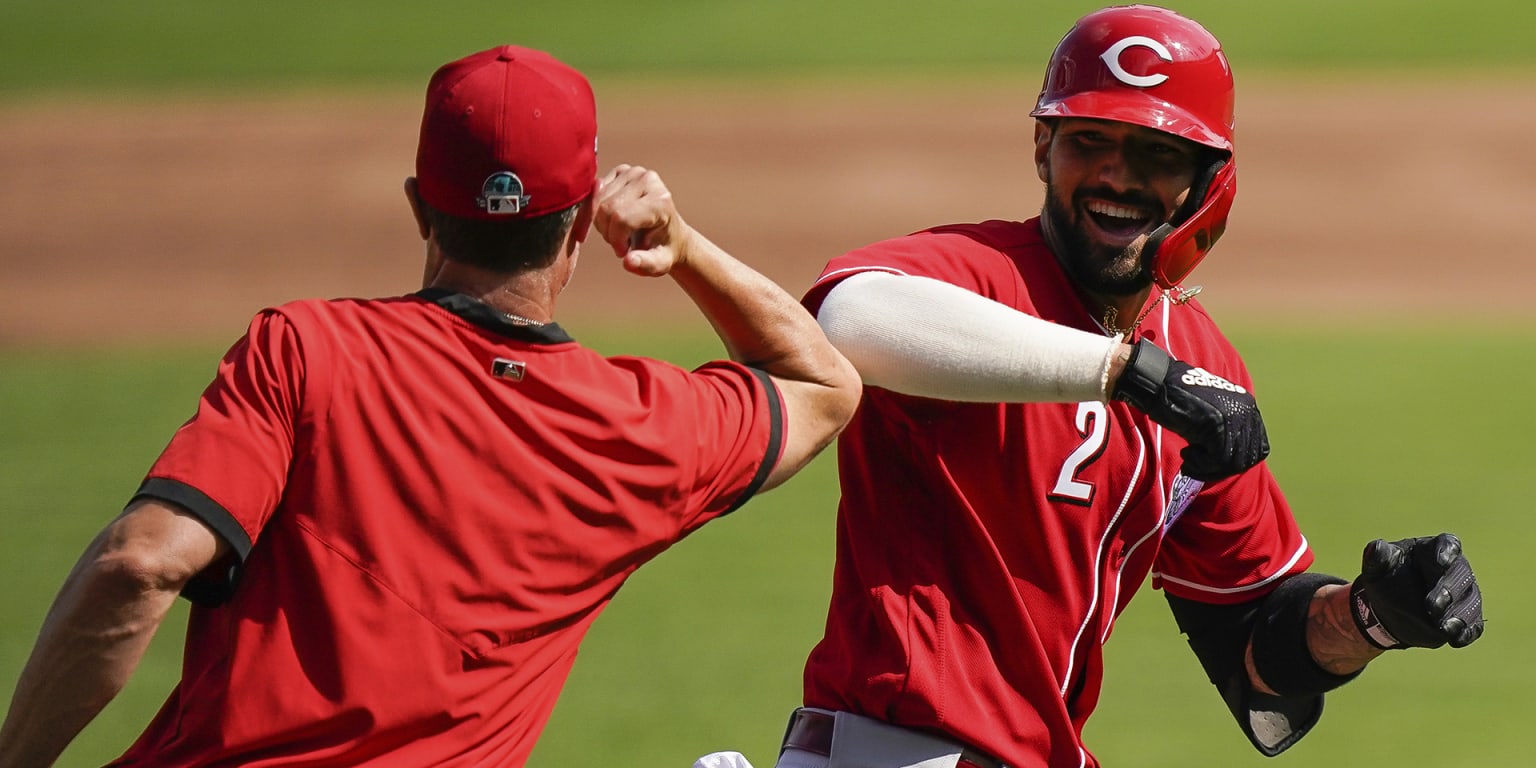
[984, 550]
[429, 505]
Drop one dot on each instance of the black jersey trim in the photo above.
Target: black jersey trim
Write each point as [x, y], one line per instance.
[482, 315]
[216, 583]
[212, 513]
[775, 439]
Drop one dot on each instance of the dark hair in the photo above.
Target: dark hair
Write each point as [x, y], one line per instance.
[511, 246]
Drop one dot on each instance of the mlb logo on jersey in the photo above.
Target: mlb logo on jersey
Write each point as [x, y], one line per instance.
[511, 370]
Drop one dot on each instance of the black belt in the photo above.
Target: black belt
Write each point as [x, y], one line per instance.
[811, 731]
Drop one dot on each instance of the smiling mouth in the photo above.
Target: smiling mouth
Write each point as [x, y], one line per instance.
[1121, 222]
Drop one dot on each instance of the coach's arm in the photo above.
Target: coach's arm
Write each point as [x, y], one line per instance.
[760, 324]
[100, 625]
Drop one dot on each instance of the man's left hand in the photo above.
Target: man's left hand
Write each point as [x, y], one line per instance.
[1417, 593]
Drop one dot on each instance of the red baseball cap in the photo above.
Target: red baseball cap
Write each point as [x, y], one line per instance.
[508, 133]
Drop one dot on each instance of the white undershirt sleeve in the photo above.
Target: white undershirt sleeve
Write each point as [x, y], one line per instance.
[926, 337]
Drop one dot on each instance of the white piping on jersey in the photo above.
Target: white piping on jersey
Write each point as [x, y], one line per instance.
[1168, 339]
[1162, 500]
[1126, 557]
[1247, 588]
[839, 273]
[1098, 559]
[1082, 754]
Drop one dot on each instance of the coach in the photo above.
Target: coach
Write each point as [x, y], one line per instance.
[396, 518]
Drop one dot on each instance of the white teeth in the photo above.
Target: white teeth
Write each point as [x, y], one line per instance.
[1117, 211]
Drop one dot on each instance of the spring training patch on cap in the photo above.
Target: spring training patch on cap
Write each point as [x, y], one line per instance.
[502, 194]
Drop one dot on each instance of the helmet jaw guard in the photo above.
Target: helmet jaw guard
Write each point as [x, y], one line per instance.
[1151, 67]
[1174, 249]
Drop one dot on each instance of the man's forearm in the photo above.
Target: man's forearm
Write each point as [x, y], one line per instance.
[925, 337]
[758, 321]
[93, 638]
[1333, 638]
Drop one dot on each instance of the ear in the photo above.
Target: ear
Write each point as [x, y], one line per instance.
[583, 223]
[412, 197]
[1043, 135]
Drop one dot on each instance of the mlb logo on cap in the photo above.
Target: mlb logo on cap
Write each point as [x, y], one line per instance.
[510, 132]
[502, 194]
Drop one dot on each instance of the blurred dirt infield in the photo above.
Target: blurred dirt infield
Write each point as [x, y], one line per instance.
[132, 222]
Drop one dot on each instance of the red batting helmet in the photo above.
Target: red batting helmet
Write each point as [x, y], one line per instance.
[1149, 66]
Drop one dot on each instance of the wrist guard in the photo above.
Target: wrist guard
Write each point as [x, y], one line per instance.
[1219, 419]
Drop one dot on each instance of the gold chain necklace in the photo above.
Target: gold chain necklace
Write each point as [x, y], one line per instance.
[1111, 314]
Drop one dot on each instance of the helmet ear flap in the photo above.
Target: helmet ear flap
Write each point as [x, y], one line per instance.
[1173, 249]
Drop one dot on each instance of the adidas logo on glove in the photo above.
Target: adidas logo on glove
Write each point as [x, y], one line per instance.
[1200, 377]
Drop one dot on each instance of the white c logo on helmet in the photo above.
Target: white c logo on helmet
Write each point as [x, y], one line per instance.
[1111, 59]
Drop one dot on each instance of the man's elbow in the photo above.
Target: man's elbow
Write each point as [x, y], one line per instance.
[816, 412]
[128, 575]
[847, 390]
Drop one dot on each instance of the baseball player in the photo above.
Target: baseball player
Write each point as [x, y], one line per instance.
[397, 518]
[1048, 419]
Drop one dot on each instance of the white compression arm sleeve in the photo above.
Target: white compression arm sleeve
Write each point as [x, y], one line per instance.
[925, 337]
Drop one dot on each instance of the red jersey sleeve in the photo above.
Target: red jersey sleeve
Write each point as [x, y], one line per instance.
[747, 417]
[970, 257]
[1235, 541]
[228, 464]
[723, 424]
[1237, 537]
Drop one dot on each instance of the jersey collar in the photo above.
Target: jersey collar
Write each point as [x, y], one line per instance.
[482, 315]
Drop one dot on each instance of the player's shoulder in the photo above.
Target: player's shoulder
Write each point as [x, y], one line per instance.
[321, 307]
[328, 322]
[1198, 337]
[1001, 234]
[1197, 320]
[982, 257]
[333, 311]
[962, 245]
[651, 371]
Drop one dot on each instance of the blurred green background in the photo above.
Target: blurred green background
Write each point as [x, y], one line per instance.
[48, 46]
[1395, 427]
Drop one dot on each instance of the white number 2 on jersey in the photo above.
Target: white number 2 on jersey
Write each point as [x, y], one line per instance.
[1093, 425]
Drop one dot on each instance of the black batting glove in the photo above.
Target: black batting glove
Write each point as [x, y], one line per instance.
[1417, 593]
[1219, 419]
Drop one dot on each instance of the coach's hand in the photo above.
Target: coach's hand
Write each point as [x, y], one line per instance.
[1417, 593]
[635, 214]
[1219, 419]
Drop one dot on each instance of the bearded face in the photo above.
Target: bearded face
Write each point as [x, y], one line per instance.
[1100, 267]
[1108, 186]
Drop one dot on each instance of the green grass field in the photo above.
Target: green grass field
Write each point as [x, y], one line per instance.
[1377, 431]
[47, 47]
